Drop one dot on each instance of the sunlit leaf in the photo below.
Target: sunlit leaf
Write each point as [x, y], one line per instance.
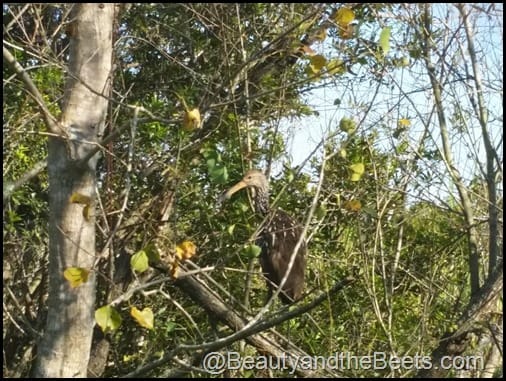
[384, 40]
[404, 122]
[357, 171]
[145, 318]
[344, 16]
[191, 120]
[355, 177]
[252, 251]
[107, 318]
[139, 261]
[353, 205]
[174, 270]
[86, 213]
[76, 276]
[317, 62]
[78, 198]
[186, 250]
[347, 125]
[230, 229]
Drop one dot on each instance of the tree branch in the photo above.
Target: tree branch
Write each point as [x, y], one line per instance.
[51, 122]
[454, 344]
[11, 186]
[201, 294]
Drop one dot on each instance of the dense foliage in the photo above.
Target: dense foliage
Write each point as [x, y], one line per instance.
[388, 209]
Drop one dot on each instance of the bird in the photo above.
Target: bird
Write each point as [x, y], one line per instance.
[277, 240]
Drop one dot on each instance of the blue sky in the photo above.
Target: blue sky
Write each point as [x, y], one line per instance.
[390, 105]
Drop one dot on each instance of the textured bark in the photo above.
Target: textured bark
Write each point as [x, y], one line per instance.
[65, 347]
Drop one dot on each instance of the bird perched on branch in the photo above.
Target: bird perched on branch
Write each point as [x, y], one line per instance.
[278, 240]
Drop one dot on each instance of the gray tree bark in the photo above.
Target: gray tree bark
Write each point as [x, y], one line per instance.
[65, 347]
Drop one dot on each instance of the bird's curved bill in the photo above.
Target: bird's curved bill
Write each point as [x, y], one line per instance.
[227, 194]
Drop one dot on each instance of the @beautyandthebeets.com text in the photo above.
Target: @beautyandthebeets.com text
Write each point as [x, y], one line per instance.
[218, 362]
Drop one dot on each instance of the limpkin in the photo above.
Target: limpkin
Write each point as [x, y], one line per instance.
[277, 239]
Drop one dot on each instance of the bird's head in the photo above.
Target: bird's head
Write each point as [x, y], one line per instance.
[252, 179]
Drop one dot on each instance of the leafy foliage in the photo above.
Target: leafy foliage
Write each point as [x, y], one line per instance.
[202, 92]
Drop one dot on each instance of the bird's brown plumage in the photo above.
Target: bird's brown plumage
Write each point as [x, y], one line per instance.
[278, 239]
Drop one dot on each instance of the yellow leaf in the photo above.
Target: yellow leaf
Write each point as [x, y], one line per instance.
[344, 16]
[179, 253]
[76, 276]
[357, 171]
[86, 213]
[78, 198]
[191, 120]
[186, 250]
[355, 177]
[317, 62]
[404, 122]
[174, 270]
[107, 318]
[358, 168]
[145, 317]
[353, 205]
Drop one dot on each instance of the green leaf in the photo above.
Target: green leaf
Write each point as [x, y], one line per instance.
[252, 251]
[357, 171]
[152, 253]
[320, 212]
[219, 174]
[384, 40]
[107, 318]
[347, 125]
[170, 326]
[139, 261]
[211, 163]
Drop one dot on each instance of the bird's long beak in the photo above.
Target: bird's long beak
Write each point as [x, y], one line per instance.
[227, 194]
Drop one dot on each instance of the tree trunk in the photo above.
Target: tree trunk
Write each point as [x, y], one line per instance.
[65, 347]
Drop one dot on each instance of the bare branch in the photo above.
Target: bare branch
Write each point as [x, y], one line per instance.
[51, 122]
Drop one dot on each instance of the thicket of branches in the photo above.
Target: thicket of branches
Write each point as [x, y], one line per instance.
[401, 198]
